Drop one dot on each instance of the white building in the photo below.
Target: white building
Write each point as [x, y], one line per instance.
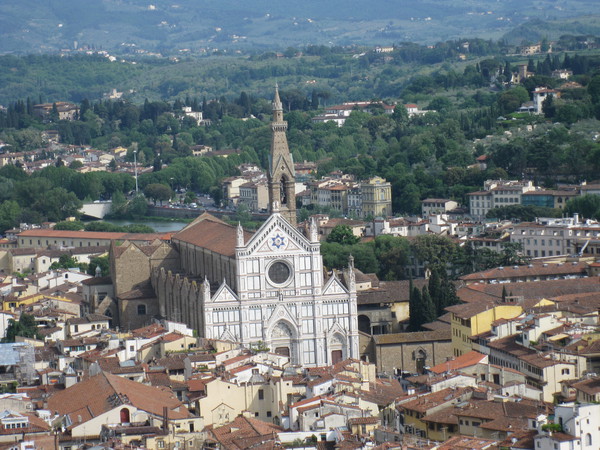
[580, 428]
[539, 95]
[437, 206]
[555, 236]
[497, 193]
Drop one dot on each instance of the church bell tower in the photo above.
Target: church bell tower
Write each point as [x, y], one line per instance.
[281, 176]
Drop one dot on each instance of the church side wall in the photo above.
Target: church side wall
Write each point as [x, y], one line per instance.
[179, 299]
[201, 262]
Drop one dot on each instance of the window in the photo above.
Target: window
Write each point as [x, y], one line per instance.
[279, 272]
[261, 394]
[268, 413]
[141, 310]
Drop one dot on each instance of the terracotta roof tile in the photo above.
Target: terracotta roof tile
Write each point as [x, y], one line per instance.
[417, 336]
[529, 271]
[65, 234]
[211, 233]
[590, 386]
[104, 392]
[468, 359]
[530, 290]
[238, 434]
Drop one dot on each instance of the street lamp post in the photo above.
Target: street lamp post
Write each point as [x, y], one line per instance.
[135, 170]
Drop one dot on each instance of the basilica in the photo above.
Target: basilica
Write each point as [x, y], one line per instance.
[265, 290]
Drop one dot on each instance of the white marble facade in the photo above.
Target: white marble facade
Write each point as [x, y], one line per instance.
[282, 301]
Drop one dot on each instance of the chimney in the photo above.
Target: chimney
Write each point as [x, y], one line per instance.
[165, 425]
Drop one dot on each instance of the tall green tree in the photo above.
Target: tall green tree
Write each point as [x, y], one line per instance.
[25, 326]
[429, 310]
[342, 234]
[10, 213]
[158, 192]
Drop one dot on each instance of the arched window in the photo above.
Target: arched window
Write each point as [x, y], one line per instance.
[124, 415]
[588, 440]
[283, 187]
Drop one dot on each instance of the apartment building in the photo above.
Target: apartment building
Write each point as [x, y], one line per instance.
[369, 198]
[255, 195]
[376, 198]
[437, 206]
[557, 236]
[497, 193]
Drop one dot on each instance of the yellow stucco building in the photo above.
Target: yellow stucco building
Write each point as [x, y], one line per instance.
[470, 319]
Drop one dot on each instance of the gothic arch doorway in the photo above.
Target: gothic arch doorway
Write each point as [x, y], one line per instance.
[420, 358]
[282, 339]
[337, 348]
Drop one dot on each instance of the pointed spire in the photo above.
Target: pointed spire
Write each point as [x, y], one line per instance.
[240, 236]
[281, 175]
[277, 106]
[313, 233]
[278, 109]
[206, 289]
[351, 274]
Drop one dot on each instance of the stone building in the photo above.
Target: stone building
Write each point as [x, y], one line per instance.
[266, 289]
[132, 264]
[410, 352]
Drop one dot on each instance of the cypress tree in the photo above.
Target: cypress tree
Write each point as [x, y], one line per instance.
[435, 288]
[415, 309]
[428, 308]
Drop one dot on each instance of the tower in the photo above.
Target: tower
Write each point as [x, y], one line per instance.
[281, 176]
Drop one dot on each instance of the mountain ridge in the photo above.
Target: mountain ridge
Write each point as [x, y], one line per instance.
[29, 26]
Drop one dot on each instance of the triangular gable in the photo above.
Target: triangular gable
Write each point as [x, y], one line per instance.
[336, 328]
[224, 294]
[227, 335]
[334, 286]
[280, 312]
[282, 161]
[277, 234]
[222, 406]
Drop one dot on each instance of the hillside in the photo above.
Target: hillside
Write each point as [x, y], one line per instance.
[30, 26]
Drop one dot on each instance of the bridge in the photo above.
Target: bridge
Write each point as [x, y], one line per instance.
[95, 210]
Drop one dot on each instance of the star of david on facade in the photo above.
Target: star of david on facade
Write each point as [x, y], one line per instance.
[278, 241]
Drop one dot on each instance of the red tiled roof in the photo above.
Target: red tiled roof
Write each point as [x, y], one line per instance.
[532, 270]
[211, 233]
[364, 420]
[104, 392]
[531, 290]
[590, 386]
[468, 359]
[428, 401]
[65, 234]
[245, 433]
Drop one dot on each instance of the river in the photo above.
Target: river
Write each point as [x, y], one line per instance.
[158, 226]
